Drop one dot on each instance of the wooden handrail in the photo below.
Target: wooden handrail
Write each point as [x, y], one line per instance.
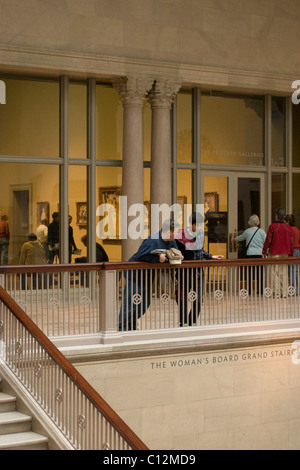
[114, 419]
[50, 268]
[116, 265]
[199, 263]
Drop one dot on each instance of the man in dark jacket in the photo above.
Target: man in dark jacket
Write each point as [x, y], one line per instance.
[137, 291]
[101, 255]
[53, 237]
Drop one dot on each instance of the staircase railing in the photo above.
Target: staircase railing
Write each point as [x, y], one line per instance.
[79, 412]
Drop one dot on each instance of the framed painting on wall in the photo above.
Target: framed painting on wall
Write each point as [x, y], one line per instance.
[211, 202]
[110, 195]
[43, 212]
[81, 214]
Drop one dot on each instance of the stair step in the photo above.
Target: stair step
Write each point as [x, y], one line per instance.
[7, 402]
[15, 428]
[13, 421]
[23, 441]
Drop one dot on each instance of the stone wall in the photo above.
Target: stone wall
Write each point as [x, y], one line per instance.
[241, 398]
[256, 37]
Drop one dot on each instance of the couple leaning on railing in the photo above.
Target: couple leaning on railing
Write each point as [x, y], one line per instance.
[171, 245]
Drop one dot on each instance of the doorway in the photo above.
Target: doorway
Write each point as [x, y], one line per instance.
[19, 219]
[229, 200]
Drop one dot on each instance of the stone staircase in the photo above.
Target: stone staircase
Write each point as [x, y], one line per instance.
[15, 427]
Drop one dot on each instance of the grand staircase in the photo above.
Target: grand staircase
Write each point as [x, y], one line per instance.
[16, 428]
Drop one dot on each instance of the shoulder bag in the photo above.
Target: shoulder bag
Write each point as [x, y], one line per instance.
[245, 249]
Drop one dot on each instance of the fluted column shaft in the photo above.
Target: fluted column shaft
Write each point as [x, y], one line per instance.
[132, 91]
[161, 97]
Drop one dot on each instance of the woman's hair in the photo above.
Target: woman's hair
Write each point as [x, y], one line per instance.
[196, 218]
[254, 220]
[290, 219]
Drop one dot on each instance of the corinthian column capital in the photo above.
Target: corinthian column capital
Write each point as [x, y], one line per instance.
[133, 90]
[163, 93]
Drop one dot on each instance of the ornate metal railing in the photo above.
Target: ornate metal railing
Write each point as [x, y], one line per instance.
[60, 299]
[207, 293]
[109, 298]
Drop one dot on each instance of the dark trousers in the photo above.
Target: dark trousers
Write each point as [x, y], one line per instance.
[190, 294]
[52, 254]
[38, 280]
[255, 273]
[136, 298]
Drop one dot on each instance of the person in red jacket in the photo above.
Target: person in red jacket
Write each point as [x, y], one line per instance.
[4, 239]
[294, 268]
[279, 244]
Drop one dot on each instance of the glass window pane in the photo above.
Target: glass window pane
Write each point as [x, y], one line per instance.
[216, 214]
[232, 130]
[278, 131]
[77, 213]
[248, 201]
[29, 193]
[184, 193]
[278, 193]
[109, 123]
[184, 127]
[29, 120]
[77, 120]
[215, 194]
[296, 199]
[109, 187]
[296, 135]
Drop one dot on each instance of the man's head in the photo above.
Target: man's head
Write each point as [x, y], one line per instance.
[280, 213]
[55, 216]
[168, 229]
[290, 219]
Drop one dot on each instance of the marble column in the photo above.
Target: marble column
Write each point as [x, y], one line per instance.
[133, 91]
[161, 98]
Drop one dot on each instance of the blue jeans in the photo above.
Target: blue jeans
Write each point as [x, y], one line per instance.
[4, 251]
[136, 298]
